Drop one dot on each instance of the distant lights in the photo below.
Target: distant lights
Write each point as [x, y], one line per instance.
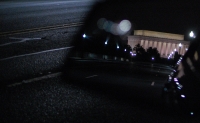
[179, 61]
[84, 35]
[192, 35]
[175, 80]
[107, 40]
[124, 26]
[115, 28]
[183, 96]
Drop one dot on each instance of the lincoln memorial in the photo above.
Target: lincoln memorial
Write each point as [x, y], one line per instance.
[166, 43]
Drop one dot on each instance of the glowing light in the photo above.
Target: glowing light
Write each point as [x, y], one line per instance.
[125, 50]
[152, 58]
[117, 29]
[191, 113]
[125, 25]
[84, 35]
[192, 35]
[180, 45]
[183, 96]
[106, 43]
[186, 49]
[117, 47]
[174, 49]
[175, 79]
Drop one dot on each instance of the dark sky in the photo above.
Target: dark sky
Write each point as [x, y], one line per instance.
[172, 17]
[168, 17]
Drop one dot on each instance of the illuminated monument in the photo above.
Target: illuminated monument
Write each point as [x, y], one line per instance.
[166, 43]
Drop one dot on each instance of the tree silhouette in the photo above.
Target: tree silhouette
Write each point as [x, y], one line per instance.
[153, 52]
[141, 54]
[139, 49]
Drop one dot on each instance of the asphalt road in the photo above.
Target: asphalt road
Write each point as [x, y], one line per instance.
[104, 92]
[35, 35]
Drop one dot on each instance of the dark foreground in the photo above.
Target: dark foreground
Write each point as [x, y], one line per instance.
[53, 99]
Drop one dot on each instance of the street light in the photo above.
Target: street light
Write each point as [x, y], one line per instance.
[192, 35]
[84, 35]
[117, 47]
[180, 48]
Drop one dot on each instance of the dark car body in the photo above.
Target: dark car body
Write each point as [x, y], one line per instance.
[182, 89]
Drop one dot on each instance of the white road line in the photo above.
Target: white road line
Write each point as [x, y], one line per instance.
[45, 51]
[36, 79]
[21, 40]
[90, 76]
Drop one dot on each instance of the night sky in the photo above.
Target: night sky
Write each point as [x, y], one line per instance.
[170, 17]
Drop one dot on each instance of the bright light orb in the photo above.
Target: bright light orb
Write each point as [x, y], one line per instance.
[191, 34]
[125, 25]
[84, 35]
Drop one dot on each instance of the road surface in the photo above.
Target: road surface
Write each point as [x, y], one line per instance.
[35, 35]
[122, 94]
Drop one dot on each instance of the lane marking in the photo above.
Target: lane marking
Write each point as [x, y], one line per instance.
[36, 53]
[91, 76]
[40, 29]
[36, 79]
[22, 40]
